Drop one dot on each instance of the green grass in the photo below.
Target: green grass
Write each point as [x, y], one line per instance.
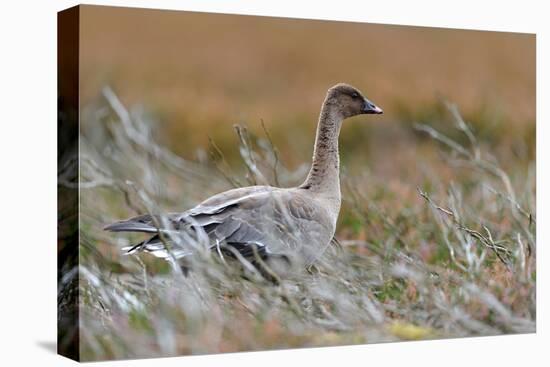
[435, 244]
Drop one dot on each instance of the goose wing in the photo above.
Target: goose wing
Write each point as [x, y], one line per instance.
[255, 220]
[148, 223]
[269, 223]
[224, 217]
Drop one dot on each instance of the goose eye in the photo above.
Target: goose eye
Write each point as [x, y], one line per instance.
[355, 95]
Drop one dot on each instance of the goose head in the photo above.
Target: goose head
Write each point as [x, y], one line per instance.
[349, 101]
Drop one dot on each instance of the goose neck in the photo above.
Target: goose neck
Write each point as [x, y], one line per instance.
[324, 175]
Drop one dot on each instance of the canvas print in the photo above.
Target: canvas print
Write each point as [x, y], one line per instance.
[233, 183]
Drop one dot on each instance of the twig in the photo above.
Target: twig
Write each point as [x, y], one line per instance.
[275, 153]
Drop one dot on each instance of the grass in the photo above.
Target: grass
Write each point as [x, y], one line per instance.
[436, 240]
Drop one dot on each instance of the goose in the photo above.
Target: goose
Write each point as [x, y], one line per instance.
[261, 223]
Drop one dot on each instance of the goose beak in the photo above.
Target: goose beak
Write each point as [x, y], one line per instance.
[371, 108]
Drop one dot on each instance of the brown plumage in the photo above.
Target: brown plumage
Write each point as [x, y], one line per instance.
[296, 223]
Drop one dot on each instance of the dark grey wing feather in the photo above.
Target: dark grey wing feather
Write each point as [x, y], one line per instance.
[129, 226]
[144, 223]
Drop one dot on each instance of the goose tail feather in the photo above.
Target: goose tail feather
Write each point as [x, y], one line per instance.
[130, 226]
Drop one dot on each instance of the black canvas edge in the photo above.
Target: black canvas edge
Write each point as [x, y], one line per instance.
[68, 162]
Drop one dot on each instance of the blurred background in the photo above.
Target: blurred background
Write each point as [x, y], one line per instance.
[199, 74]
